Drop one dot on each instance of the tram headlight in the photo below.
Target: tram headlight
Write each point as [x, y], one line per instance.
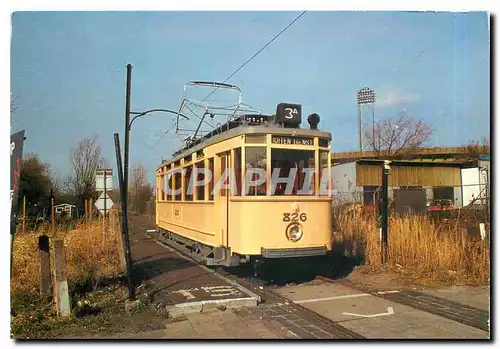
[294, 232]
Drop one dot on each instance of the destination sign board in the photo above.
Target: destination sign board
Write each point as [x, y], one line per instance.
[289, 114]
[292, 140]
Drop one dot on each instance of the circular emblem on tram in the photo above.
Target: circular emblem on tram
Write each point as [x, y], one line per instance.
[294, 232]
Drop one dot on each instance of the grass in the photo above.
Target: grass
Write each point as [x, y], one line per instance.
[88, 248]
[427, 251]
[93, 258]
[36, 319]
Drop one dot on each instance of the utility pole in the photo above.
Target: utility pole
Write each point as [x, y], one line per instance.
[126, 241]
[385, 210]
[365, 96]
[359, 129]
[123, 171]
[24, 214]
[53, 215]
[373, 125]
[127, 135]
[105, 200]
[52, 211]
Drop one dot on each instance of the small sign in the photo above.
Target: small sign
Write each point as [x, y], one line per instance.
[16, 156]
[101, 175]
[291, 140]
[104, 201]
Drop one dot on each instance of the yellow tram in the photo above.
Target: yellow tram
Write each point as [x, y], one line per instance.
[212, 205]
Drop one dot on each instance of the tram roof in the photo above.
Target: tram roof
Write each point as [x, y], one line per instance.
[244, 130]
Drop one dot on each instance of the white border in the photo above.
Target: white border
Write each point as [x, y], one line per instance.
[311, 5]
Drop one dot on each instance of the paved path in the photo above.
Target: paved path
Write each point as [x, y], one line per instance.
[216, 325]
[391, 314]
[171, 279]
[478, 297]
[174, 280]
[340, 311]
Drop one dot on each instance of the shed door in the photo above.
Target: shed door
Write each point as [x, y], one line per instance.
[406, 200]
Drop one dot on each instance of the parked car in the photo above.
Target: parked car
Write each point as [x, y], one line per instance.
[440, 205]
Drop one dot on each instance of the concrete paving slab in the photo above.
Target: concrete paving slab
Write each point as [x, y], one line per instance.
[443, 307]
[413, 324]
[478, 297]
[375, 317]
[316, 291]
[185, 308]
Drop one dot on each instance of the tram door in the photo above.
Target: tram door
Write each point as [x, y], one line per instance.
[222, 197]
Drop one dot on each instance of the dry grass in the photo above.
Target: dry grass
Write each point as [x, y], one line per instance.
[89, 251]
[426, 251]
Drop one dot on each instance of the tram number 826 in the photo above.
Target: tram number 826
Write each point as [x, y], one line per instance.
[294, 217]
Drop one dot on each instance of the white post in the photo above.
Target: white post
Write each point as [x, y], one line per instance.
[482, 231]
[61, 292]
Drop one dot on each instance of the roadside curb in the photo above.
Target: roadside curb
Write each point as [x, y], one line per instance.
[200, 306]
[196, 307]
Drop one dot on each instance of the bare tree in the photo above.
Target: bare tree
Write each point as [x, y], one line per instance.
[138, 179]
[476, 148]
[399, 136]
[57, 183]
[85, 159]
[144, 199]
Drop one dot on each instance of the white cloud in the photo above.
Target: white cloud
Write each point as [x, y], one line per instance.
[394, 97]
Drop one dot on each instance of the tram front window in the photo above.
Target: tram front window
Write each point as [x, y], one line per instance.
[292, 172]
[256, 159]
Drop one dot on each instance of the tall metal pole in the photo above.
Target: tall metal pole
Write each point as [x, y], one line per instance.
[359, 128]
[373, 126]
[365, 96]
[105, 200]
[127, 134]
[385, 210]
[24, 214]
[126, 241]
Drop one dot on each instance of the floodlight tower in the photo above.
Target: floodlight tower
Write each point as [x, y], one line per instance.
[365, 98]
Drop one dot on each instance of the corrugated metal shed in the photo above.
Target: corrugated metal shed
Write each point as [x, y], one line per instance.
[404, 173]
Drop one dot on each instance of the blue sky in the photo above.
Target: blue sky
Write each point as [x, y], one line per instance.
[68, 72]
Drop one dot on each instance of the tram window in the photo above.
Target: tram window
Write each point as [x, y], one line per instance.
[211, 183]
[188, 189]
[255, 139]
[287, 159]
[223, 161]
[178, 182]
[200, 189]
[323, 143]
[256, 158]
[237, 170]
[170, 185]
[161, 187]
[323, 165]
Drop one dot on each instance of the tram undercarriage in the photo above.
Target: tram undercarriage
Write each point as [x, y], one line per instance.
[221, 256]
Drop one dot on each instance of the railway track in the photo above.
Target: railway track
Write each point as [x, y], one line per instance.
[278, 305]
[268, 294]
